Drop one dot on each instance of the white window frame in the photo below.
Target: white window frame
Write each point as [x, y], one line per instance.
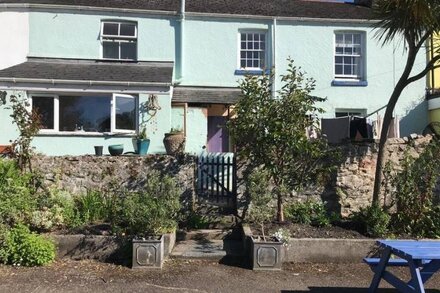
[113, 128]
[119, 38]
[113, 114]
[250, 31]
[56, 111]
[361, 56]
[351, 111]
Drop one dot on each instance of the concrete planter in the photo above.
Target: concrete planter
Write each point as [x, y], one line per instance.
[103, 248]
[266, 255]
[318, 250]
[148, 253]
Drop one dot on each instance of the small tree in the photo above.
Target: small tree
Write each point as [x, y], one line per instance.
[257, 187]
[414, 21]
[28, 124]
[271, 132]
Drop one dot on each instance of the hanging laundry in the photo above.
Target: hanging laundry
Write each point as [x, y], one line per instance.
[336, 129]
[358, 128]
[377, 127]
[394, 130]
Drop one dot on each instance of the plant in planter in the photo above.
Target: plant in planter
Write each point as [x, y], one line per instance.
[174, 141]
[142, 142]
[147, 215]
[265, 250]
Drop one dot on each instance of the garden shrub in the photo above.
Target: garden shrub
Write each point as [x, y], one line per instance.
[413, 189]
[91, 207]
[197, 221]
[372, 221]
[22, 247]
[152, 211]
[309, 212]
[257, 187]
[17, 194]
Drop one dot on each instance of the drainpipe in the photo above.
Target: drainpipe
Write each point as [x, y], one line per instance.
[274, 32]
[181, 42]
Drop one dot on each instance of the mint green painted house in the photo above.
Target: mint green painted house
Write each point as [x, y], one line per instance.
[100, 71]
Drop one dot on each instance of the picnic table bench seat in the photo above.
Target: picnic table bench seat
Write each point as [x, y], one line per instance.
[392, 262]
[395, 262]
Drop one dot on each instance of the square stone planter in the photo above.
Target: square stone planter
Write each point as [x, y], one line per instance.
[266, 255]
[148, 253]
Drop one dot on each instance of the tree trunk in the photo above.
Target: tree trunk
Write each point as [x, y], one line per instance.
[280, 212]
[403, 82]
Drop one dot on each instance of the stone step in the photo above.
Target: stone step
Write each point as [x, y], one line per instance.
[207, 206]
[208, 249]
[203, 234]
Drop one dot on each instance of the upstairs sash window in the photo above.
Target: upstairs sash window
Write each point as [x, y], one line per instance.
[252, 50]
[119, 40]
[349, 55]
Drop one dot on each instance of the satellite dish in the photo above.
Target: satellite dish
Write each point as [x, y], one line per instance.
[433, 128]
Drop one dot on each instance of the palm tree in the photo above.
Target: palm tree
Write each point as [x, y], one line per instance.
[415, 21]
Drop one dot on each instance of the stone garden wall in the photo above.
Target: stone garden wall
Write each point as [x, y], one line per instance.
[82, 173]
[354, 183]
[352, 187]
[349, 190]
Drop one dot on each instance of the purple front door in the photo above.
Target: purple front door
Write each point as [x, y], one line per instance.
[218, 137]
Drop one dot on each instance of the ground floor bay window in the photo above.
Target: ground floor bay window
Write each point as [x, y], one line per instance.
[99, 113]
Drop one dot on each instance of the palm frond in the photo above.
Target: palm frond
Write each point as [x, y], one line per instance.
[412, 19]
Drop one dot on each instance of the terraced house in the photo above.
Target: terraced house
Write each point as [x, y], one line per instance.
[98, 71]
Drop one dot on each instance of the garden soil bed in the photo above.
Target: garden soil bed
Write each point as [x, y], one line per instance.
[308, 231]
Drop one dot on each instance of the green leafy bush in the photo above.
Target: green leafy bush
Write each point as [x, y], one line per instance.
[413, 188]
[197, 221]
[152, 211]
[372, 221]
[17, 194]
[91, 207]
[21, 247]
[309, 212]
[257, 186]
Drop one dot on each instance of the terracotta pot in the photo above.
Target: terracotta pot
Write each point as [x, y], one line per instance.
[174, 143]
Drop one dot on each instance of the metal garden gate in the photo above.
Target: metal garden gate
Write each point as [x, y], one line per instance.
[217, 177]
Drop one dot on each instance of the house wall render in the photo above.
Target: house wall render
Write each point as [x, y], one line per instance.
[14, 32]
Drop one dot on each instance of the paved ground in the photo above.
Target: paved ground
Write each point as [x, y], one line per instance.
[190, 276]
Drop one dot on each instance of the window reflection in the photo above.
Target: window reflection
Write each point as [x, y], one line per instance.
[85, 113]
[125, 113]
[44, 106]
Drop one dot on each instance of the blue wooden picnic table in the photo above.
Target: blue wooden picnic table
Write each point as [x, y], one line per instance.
[421, 257]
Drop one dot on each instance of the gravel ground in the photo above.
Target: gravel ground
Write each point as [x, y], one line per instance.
[191, 276]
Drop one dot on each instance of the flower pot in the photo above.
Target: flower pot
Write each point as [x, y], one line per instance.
[116, 149]
[266, 254]
[174, 143]
[98, 150]
[142, 146]
[148, 253]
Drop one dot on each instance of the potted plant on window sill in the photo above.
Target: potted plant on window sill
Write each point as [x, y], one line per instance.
[142, 142]
[174, 142]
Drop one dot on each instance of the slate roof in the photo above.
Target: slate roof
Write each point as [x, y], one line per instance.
[206, 95]
[88, 70]
[281, 8]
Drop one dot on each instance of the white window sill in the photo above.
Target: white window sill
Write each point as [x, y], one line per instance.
[85, 134]
[251, 71]
[346, 82]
